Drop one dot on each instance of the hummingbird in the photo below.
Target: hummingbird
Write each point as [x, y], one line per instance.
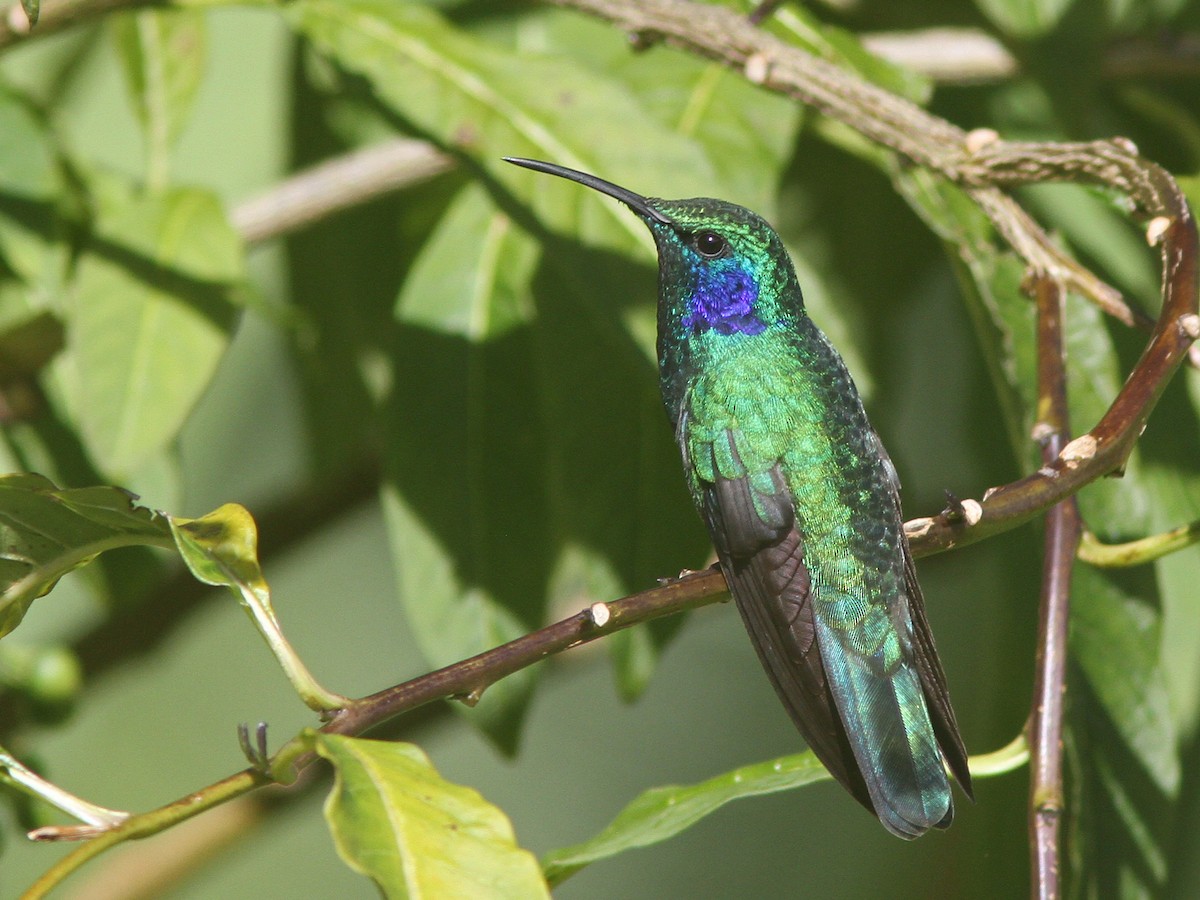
[803, 506]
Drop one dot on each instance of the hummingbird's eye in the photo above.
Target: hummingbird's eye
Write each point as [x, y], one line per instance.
[710, 244]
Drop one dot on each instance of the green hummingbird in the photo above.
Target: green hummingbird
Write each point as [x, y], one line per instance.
[803, 505]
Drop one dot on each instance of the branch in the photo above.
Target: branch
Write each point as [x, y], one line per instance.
[464, 680]
[965, 56]
[982, 165]
[1061, 540]
[337, 184]
[468, 679]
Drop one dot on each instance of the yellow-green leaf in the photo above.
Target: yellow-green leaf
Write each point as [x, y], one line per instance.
[221, 549]
[416, 835]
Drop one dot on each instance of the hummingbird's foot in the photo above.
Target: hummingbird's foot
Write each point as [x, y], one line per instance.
[256, 754]
[967, 511]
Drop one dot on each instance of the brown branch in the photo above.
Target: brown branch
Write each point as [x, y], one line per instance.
[468, 679]
[1061, 540]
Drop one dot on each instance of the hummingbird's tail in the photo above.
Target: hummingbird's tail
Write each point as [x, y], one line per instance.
[884, 713]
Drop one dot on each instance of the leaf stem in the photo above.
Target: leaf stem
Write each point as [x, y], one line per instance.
[1008, 758]
[1135, 553]
[15, 773]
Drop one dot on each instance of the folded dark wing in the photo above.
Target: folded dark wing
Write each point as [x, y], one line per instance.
[762, 556]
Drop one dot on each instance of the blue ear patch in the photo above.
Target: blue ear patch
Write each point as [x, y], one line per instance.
[723, 300]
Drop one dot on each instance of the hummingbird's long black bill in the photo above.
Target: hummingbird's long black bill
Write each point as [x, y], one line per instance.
[636, 202]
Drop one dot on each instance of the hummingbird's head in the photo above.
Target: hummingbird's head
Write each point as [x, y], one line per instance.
[722, 269]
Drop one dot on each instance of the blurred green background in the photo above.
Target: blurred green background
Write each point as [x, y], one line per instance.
[164, 723]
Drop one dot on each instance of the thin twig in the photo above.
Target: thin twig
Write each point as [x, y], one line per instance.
[1062, 537]
[964, 56]
[337, 184]
[468, 679]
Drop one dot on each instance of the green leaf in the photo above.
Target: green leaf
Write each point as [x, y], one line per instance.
[990, 279]
[663, 812]
[46, 532]
[31, 188]
[472, 277]
[617, 502]
[153, 313]
[33, 9]
[465, 490]
[416, 835]
[470, 284]
[487, 103]
[221, 549]
[1024, 19]
[1127, 759]
[1115, 637]
[747, 134]
[162, 55]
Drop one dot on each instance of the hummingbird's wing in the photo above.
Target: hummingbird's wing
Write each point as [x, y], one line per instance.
[762, 556]
[866, 737]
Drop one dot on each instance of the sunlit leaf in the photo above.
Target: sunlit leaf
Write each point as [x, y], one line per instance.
[31, 188]
[416, 835]
[162, 54]
[153, 312]
[489, 103]
[221, 549]
[473, 276]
